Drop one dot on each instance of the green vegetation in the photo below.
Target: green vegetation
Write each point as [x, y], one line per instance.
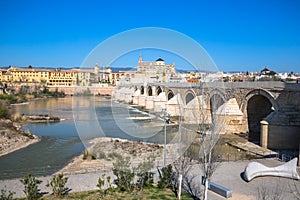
[31, 187]
[124, 174]
[58, 185]
[9, 98]
[127, 188]
[166, 176]
[144, 174]
[88, 156]
[113, 155]
[150, 192]
[4, 111]
[101, 183]
[6, 195]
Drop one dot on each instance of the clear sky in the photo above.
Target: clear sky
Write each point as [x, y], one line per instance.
[239, 35]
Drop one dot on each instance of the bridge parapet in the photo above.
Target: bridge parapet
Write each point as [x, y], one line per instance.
[277, 85]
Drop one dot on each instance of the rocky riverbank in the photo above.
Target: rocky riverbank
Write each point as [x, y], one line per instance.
[12, 138]
[101, 155]
[34, 118]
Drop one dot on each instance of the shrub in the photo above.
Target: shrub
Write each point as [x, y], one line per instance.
[31, 187]
[88, 156]
[143, 171]
[113, 155]
[101, 182]
[58, 184]
[166, 177]
[9, 98]
[3, 111]
[124, 174]
[6, 195]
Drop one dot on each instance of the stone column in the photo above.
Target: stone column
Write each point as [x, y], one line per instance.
[153, 91]
[264, 133]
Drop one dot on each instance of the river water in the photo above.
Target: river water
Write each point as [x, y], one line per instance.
[83, 118]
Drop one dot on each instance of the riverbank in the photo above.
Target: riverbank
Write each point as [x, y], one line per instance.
[12, 138]
[100, 156]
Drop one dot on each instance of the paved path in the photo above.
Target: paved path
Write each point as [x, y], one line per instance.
[228, 175]
[76, 182]
[243, 143]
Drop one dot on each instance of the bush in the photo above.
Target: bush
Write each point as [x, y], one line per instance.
[143, 171]
[113, 155]
[6, 195]
[31, 187]
[166, 177]
[4, 112]
[101, 184]
[58, 185]
[9, 98]
[88, 156]
[124, 174]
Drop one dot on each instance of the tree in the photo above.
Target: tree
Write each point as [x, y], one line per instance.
[6, 195]
[208, 120]
[184, 168]
[264, 193]
[124, 173]
[31, 187]
[58, 184]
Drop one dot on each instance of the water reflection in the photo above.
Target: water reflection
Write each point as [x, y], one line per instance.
[61, 141]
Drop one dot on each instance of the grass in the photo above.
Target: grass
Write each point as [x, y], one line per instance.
[115, 194]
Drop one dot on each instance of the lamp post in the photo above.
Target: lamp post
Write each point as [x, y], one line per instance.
[165, 136]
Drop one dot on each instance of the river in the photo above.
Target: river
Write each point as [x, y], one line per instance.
[83, 118]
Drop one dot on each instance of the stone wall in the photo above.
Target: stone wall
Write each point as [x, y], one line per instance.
[94, 90]
[283, 137]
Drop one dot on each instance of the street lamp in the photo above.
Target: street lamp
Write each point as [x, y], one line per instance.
[165, 136]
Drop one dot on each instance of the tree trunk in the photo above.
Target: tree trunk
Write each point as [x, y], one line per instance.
[179, 186]
[205, 189]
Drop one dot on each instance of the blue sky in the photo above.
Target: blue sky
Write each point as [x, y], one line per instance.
[239, 35]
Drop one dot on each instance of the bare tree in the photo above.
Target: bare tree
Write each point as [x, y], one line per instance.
[264, 193]
[208, 119]
[209, 136]
[190, 183]
[295, 189]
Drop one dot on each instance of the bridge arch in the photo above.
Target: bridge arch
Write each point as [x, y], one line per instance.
[170, 95]
[260, 103]
[142, 90]
[189, 96]
[216, 99]
[149, 90]
[158, 90]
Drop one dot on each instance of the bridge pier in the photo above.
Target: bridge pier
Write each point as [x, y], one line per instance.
[149, 102]
[142, 100]
[159, 102]
[173, 105]
[135, 97]
[264, 134]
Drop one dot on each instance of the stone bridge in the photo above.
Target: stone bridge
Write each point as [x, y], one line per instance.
[268, 112]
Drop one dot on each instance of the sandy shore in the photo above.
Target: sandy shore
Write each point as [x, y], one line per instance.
[12, 138]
